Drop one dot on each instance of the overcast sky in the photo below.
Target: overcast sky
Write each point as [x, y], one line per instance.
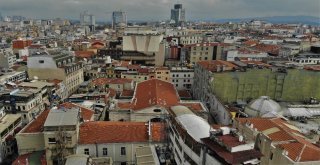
[160, 9]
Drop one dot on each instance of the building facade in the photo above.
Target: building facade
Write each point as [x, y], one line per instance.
[61, 67]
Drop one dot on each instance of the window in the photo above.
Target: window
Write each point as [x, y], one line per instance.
[41, 61]
[271, 155]
[52, 140]
[86, 151]
[104, 151]
[69, 139]
[123, 163]
[123, 151]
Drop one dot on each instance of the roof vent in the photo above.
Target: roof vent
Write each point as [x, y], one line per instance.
[241, 138]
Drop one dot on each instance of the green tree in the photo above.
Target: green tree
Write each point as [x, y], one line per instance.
[8, 40]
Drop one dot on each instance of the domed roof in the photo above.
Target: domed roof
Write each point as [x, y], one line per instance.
[263, 107]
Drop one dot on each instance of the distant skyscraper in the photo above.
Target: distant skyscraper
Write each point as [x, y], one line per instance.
[87, 19]
[178, 14]
[119, 18]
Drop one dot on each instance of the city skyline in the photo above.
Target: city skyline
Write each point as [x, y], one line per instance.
[160, 10]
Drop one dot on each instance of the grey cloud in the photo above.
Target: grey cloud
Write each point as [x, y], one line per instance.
[159, 9]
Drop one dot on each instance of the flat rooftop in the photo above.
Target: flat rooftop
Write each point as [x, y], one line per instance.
[62, 117]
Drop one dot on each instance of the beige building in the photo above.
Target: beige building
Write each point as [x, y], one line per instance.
[202, 51]
[143, 47]
[150, 101]
[279, 142]
[9, 125]
[118, 140]
[58, 66]
[162, 73]
[55, 131]
[26, 102]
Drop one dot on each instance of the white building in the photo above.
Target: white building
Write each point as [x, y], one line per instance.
[60, 66]
[12, 76]
[307, 59]
[289, 50]
[118, 140]
[28, 103]
[7, 60]
[182, 77]
[232, 55]
[194, 142]
[8, 127]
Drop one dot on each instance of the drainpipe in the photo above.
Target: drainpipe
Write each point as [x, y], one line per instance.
[96, 144]
[149, 131]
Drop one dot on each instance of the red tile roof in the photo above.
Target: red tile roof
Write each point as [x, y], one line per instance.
[104, 81]
[84, 54]
[127, 93]
[256, 63]
[299, 149]
[184, 94]
[22, 159]
[85, 112]
[313, 67]
[251, 43]
[193, 106]
[154, 92]
[263, 124]
[272, 49]
[213, 65]
[37, 125]
[55, 81]
[118, 132]
[229, 140]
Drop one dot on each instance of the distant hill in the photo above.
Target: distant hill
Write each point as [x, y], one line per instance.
[310, 20]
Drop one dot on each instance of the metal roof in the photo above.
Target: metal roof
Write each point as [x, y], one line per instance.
[196, 126]
[62, 117]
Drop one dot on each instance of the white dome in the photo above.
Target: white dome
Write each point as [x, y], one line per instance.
[263, 107]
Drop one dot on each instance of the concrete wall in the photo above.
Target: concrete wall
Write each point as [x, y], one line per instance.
[233, 86]
[114, 151]
[47, 73]
[29, 142]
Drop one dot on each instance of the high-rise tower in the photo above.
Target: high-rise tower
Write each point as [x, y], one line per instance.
[178, 14]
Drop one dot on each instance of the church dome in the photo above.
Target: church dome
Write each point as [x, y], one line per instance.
[263, 107]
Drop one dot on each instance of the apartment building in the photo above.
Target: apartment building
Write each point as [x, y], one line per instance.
[150, 101]
[9, 126]
[182, 77]
[7, 60]
[28, 103]
[279, 141]
[60, 66]
[193, 141]
[118, 140]
[307, 59]
[222, 82]
[12, 76]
